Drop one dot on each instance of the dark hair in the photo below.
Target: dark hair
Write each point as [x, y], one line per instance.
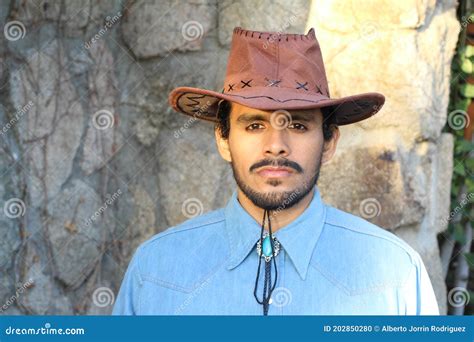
[223, 117]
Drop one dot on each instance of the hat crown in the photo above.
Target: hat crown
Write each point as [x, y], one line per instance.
[274, 71]
[274, 59]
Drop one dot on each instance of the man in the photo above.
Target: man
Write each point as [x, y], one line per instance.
[276, 248]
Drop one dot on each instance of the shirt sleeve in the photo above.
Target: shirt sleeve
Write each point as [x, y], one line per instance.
[128, 296]
[418, 292]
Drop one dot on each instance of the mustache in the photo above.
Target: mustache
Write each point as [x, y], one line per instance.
[277, 162]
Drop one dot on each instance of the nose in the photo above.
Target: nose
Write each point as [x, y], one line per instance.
[276, 143]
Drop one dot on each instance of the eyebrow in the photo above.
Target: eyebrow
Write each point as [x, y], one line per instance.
[246, 118]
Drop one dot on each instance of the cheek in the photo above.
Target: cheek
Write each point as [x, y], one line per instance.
[307, 151]
[243, 154]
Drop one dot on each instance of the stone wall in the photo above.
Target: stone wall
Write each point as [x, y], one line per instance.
[395, 168]
[93, 161]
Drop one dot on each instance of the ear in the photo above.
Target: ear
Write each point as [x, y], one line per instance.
[222, 146]
[329, 147]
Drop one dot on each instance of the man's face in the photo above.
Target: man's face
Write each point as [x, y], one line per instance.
[275, 156]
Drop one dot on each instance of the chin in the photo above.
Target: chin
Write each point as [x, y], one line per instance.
[275, 185]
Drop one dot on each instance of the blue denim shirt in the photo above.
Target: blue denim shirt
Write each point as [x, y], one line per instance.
[330, 263]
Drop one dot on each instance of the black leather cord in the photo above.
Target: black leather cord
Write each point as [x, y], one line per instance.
[267, 288]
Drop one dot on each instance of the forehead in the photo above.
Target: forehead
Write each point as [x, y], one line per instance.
[240, 112]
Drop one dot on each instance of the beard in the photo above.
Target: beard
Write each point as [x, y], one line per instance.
[278, 200]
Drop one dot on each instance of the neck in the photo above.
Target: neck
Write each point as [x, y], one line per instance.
[281, 218]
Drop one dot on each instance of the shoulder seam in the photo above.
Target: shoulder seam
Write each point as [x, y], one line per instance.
[176, 230]
[141, 247]
[377, 236]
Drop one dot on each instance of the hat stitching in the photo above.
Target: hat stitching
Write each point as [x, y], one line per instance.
[272, 83]
[318, 90]
[276, 100]
[240, 31]
[246, 83]
[302, 85]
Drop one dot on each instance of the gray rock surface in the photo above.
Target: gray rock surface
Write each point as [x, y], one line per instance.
[100, 162]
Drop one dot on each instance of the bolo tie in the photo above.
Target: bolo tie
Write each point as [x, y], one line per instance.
[268, 248]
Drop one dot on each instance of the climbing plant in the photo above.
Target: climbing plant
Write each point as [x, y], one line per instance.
[456, 244]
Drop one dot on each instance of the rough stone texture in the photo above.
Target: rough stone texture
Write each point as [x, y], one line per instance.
[417, 81]
[264, 15]
[9, 227]
[138, 175]
[50, 134]
[39, 298]
[441, 175]
[153, 29]
[102, 140]
[397, 165]
[377, 171]
[198, 148]
[352, 16]
[75, 240]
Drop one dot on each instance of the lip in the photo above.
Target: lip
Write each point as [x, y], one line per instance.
[275, 172]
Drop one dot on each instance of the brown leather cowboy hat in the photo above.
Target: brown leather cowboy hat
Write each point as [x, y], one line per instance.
[275, 71]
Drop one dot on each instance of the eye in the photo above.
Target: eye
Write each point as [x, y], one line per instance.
[254, 126]
[298, 126]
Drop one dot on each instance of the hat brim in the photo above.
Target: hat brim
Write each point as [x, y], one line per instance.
[203, 104]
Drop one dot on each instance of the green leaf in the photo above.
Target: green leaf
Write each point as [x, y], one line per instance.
[459, 170]
[467, 90]
[467, 66]
[462, 104]
[470, 185]
[464, 146]
[470, 259]
[468, 51]
[454, 189]
[469, 163]
[459, 233]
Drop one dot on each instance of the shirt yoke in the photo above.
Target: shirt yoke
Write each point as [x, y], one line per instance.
[361, 257]
[184, 256]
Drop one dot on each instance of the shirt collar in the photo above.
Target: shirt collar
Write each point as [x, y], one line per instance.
[298, 238]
